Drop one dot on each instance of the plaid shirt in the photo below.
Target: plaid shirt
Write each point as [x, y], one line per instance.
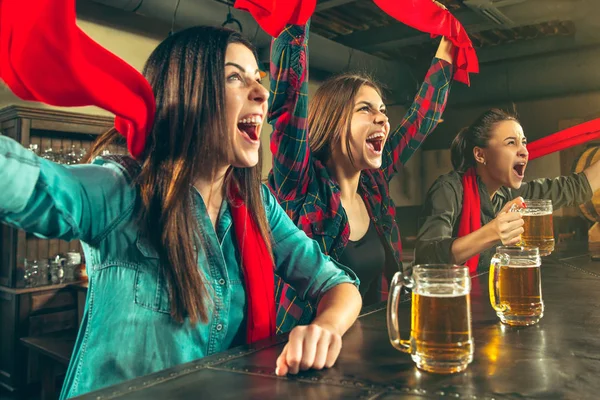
[302, 184]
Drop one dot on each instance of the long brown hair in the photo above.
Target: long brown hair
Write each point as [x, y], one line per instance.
[189, 140]
[330, 113]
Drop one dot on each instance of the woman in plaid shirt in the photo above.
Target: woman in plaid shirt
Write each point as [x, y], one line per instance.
[334, 182]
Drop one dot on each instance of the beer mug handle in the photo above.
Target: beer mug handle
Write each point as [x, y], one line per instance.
[497, 261]
[392, 314]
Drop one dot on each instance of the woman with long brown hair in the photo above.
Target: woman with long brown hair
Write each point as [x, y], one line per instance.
[333, 161]
[182, 245]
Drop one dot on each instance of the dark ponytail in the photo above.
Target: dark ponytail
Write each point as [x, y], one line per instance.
[477, 134]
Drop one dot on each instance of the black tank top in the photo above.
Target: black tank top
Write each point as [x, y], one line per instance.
[366, 257]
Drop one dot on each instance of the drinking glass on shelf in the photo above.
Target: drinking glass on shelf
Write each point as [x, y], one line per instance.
[70, 156]
[60, 156]
[82, 153]
[35, 273]
[49, 154]
[26, 273]
[33, 147]
[57, 271]
[72, 262]
[31, 273]
[44, 273]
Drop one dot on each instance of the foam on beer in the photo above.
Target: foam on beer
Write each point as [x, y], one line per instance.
[441, 291]
[527, 211]
[521, 266]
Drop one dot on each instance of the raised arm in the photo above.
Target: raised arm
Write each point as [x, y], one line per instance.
[288, 112]
[568, 190]
[423, 115]
[56, 201]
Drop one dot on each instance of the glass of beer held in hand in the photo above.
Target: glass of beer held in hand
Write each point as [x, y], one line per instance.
[516, 285]
[538, 228]
[440, 338]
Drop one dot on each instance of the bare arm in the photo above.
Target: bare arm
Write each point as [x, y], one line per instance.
[339, 308]
[474, 243]
[444, 51]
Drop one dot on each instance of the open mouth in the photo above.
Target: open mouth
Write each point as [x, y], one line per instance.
[375, 142]
[250, 127]
[519, 169]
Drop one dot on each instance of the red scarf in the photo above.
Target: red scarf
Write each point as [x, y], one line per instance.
[274, 15]
[424, 15]
[258, 268]
[45, 57]
[470, 218]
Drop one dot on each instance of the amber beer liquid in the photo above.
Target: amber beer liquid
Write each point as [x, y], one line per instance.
[516, 285]
[441, 330]
[538, 227]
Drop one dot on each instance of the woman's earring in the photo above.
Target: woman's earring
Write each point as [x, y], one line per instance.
[484, 162]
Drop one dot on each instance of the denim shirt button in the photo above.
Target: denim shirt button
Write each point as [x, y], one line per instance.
[221, 281]
[219, 327]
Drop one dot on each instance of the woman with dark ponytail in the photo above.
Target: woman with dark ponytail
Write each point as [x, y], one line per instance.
[489, 159]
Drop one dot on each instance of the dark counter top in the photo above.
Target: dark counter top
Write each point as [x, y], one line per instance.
[558, 358]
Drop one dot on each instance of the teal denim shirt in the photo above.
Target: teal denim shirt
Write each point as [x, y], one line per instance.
[126, 329]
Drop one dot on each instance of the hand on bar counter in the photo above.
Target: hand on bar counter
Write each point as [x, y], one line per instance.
[318, 345]
[310, 346]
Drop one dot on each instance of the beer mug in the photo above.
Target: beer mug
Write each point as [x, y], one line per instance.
[538, 228]
[516, 286]
[440, 338]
